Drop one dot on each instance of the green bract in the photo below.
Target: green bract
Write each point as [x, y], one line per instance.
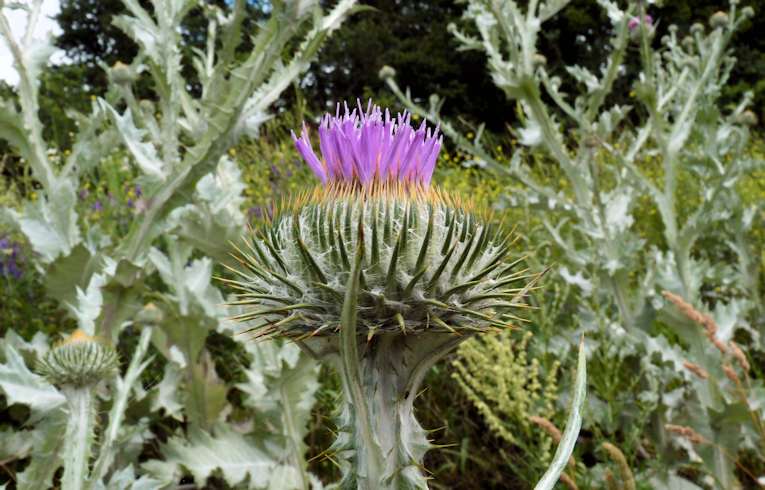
[431, 264]
[81, 360]
[382, 280]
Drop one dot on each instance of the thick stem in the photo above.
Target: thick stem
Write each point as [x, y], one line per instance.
[392, 368]
[79, 437]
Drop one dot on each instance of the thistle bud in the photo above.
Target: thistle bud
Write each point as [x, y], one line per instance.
[539, 59]
[150, 315]
[747, 12]
[387, 72]
[718, 20]
[147, 107]
[689, 44]
[634, 26]
[697, 28]
[122, 74]
[80, 360]
[747, 118]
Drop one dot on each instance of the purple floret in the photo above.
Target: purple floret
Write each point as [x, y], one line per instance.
[635, 22]
[368, 146]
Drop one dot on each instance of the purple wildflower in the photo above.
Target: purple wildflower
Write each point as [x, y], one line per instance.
[97, 206]
[12, 269]
[371, 146]
[130, 203]
[10, 255]
[634, 22]
[138, 190]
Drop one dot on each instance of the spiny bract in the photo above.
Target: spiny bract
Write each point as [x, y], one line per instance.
[430, 264]
[80, 360]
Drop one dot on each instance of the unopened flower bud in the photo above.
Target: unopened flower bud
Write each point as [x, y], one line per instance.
[387, 72]
[539, 59]
[697, 28]
[747, 12]
[635, 29]
[78, 361]
[688, 43]
[747, 118]
[146, 106]
[718, 20]
[150, 315]
[122, 74]
[634, 22]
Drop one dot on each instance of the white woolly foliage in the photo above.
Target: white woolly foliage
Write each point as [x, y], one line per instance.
[176, 142]
[697, 151]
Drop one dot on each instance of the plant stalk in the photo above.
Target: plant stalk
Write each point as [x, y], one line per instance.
[384, 447]
[79, 437]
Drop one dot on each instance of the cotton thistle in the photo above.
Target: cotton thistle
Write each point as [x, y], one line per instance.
[77, 365]
[381, 273]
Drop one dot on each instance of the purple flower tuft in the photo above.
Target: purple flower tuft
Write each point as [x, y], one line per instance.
[97, 206]
[368, 146]
[10, 256]
[634, 22]
[138, 190]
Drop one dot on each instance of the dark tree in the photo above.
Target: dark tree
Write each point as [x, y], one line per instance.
[412, 36]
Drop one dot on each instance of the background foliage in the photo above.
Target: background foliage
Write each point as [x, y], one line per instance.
[479, 444]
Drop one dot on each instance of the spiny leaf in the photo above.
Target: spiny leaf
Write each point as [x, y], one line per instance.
[305, 254]
[390, 278]
[410, 286]
[451, 219]
[463, 257]
[441, 267]
[479, 247]
[425, 241]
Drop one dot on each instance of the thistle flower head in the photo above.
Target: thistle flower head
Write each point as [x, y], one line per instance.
[371, 146]
[634, 22]
[431, 262]
[80, 360]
